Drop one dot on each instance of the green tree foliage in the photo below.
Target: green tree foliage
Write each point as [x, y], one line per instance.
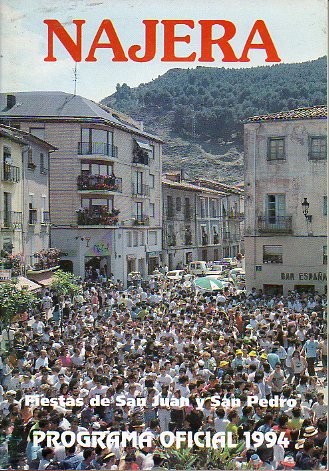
[219, 99]
[13, 301]
[65, 284]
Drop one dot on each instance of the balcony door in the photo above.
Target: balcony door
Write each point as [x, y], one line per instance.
[275, 208]
[138, 183]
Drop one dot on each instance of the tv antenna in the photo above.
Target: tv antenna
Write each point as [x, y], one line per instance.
[75, 78]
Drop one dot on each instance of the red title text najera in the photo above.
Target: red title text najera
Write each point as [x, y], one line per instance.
[171, 36]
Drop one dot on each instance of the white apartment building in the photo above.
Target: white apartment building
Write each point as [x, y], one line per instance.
[286, 201]
[105, 188]
[24, 196]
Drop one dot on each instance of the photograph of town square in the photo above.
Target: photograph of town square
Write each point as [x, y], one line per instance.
[163, 269]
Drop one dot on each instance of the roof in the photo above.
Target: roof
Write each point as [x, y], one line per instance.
[23, 137]
[191, 187]
[54, 104]
[313, 112]
[219, 186]
[12, 134]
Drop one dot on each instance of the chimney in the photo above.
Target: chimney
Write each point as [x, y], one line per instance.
[11, 101]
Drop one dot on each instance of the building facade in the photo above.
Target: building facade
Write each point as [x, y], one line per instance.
[24, 197]
[197, 222]
[285, 166]
[11, 192]
[105, 187]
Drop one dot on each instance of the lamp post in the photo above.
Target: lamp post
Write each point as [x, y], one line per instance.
[305, 206]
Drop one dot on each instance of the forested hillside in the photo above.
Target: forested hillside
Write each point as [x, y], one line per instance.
[199, 112]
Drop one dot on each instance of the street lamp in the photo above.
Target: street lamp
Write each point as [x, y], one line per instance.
[305, 206]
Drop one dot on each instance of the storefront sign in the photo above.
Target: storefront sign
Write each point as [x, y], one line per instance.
[317, 276]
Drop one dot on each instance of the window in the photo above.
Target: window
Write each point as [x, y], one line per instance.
[318, 148]
[276, 148]
[187, 209]
[135, 238]
[139, 211]
[325, 202]
[152, 180]
[213, 208]
[38, 132]
[202, 208]
[152, 210]
[152, 237]
[152, 153]
[43, 164]
[96, 141]
[170, 207]
[325, 255]
[32, 214]
[178, 204]
[96, 168]
[275, 207]
[30, 163]
[272, 254]
[97, 204]
[138, 190]
[7, 155]
[129, 239]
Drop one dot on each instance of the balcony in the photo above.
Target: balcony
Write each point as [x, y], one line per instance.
[275, 224]
[141, 220]
[171, 240]
[10, 173]
[99, 183]
[140, 158]
[97, 148]
[140, 190]
[12, 220]
[99, 216]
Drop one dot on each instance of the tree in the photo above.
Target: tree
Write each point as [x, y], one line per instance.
[12, 302]
[65, 284]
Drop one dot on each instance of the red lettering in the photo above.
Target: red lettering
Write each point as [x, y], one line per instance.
[207, 40]
[150, 43]
[267, 44]
[170, 39]
[73, 48]
[114, 43]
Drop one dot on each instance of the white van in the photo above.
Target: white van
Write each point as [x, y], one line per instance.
[198, 268]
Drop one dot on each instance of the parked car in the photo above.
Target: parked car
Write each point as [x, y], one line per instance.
[217, 270]
[229, 262]
[198, 268]
[178, 275]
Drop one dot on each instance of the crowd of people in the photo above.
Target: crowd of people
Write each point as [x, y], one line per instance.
[166, 340]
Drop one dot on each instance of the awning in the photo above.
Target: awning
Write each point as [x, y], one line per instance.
[44, 279]
[143, 145]
[23, 282]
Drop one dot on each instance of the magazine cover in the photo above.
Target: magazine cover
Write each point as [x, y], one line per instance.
[163, 244]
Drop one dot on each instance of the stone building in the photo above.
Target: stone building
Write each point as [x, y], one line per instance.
[198, 221]
[105, 187]
[286, 201]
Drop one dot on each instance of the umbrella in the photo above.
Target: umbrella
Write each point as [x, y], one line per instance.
[208, 284]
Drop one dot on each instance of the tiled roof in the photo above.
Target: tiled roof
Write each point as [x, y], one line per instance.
[313, 112]
[191, 187]
[216, 185]
[62, 105]
[12, 133]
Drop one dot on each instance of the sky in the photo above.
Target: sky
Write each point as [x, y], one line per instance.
[298, 29]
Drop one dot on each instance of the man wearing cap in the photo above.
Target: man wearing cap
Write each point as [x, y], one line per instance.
[238, 360]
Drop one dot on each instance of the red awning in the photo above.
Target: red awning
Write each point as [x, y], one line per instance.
[44, 279]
